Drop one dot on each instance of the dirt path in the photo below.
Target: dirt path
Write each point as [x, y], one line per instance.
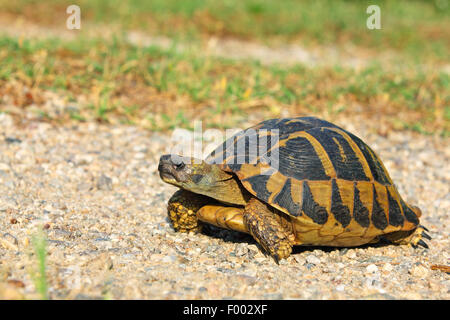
[96, 190]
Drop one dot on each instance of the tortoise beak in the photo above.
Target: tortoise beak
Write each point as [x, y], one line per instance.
[172, 169]
[165, 168]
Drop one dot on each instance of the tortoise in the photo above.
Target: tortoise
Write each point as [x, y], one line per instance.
[324, 187]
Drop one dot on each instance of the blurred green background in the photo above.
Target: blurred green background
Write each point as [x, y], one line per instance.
[168, 77]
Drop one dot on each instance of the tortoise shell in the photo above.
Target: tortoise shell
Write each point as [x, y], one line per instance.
[322, 175]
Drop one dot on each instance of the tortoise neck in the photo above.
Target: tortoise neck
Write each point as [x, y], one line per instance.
[226, 188]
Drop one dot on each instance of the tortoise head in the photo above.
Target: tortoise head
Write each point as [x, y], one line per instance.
[186, 173]
[200, 177]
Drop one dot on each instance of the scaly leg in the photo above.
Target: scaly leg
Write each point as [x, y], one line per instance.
[265, 226]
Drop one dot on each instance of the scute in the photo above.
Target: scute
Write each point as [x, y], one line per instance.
[377, 168]
[361, 213]
[339, 210]
[312, 208]
[292, 125]
[343, 157]
[298, 160]
[258, 186]
[284, 199]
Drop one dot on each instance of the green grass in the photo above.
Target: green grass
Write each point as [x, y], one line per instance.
[39, 242]
[167, 89]
[416, 28]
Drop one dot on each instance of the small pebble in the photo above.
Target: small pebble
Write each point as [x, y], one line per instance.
[419, 271]
[371, 268]
[104, 183]
[241, 249]
[313, 259]
[340, 287]
[168, 259]
[388, 267]
[299, 259]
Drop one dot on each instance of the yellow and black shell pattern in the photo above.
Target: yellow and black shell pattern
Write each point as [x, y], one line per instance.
[322, 175]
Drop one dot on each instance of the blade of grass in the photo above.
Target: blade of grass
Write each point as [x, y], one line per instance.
[39, 242]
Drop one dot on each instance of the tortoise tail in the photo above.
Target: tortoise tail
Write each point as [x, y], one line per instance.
[416, 210]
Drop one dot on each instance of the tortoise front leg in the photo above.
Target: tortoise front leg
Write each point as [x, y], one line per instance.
[268, 230]
[188, 210]
[182, 209]
[231, 218]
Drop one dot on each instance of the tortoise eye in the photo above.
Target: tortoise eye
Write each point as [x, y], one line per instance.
[179, 166]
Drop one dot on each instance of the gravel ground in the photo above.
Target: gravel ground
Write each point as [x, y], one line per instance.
[95, 191]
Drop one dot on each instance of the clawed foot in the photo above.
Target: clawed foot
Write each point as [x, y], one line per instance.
[413, 237]
[418, 236]
[182, 209]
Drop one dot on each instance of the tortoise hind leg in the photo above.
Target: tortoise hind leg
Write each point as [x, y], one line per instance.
[414, 237]
[268, 230]
[182, 209]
